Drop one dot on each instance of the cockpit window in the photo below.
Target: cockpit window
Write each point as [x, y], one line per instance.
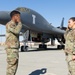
[23, 9]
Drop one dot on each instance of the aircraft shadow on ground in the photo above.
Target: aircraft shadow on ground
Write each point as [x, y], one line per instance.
[38, 71]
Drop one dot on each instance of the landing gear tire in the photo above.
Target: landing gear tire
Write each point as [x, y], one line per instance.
[60, 47]
[43, 46]
[24, 49]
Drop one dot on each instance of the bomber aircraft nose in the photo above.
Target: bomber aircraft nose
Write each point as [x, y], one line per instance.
[4, 17]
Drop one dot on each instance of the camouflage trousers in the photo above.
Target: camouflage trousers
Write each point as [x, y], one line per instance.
[12, 61]
[71, 64]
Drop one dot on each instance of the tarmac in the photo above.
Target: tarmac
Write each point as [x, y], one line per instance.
[37, 62]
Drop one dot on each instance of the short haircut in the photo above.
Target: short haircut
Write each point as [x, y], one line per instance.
[14, 12]
[72, 18]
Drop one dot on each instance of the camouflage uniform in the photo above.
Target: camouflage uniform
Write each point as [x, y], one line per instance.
[70, 50]
[12, 46]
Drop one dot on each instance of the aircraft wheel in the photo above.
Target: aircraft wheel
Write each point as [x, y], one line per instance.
[43, 46]
[24, 48]
[60, 46]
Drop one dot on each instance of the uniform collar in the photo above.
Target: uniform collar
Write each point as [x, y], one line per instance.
[13, 21]
[71, 29]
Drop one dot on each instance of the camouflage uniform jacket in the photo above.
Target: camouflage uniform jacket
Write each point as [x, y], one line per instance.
[70, 41]
[12, 34]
